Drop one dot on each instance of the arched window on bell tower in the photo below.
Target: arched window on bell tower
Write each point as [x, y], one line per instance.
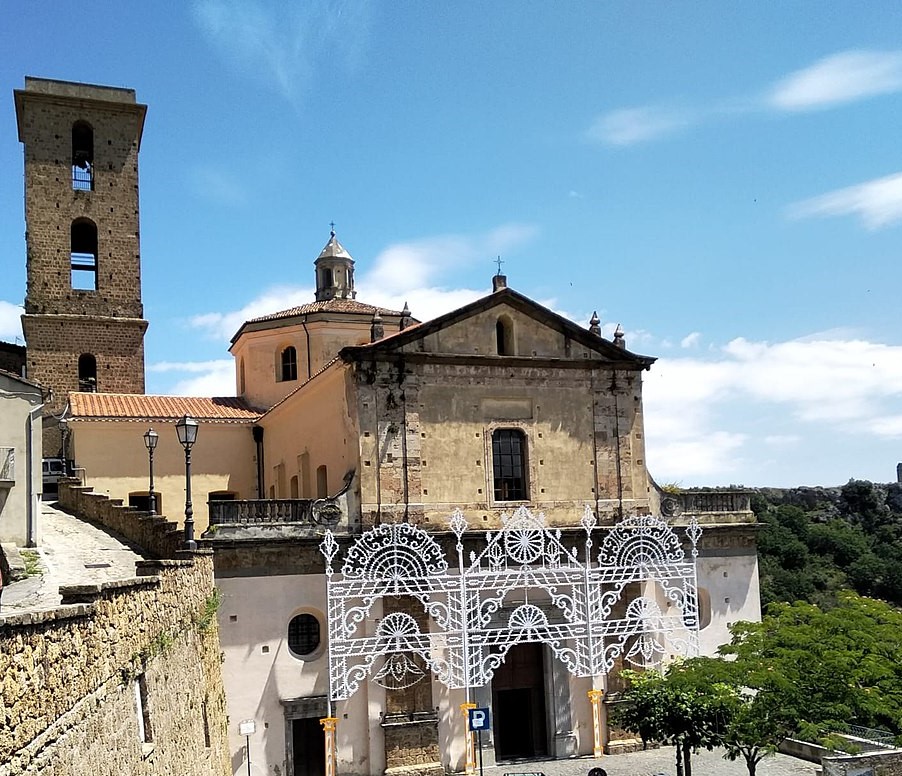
[87, 373]
[83, 253]
[82, 156]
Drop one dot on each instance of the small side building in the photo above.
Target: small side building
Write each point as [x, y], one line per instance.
[20, 459]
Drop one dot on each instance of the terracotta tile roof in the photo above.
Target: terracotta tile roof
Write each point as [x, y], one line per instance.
[328, 306]
[390, 336]
[130, 406]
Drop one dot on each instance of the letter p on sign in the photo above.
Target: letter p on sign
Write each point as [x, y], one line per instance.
[479, 719]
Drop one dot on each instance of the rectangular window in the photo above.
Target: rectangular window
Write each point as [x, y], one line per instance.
[509, 464]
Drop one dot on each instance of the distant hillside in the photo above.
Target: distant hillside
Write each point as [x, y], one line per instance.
[815, 541]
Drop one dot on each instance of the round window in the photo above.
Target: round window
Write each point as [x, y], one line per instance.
[303, 634]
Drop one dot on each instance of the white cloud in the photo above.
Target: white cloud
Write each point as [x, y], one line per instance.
[208, 378]
[282, 43]
[11, 322]
[405, 266]
[716, 416]
[628, 126]
[878, 202]
[223, 326]
[839, 78]
[691, 340]
[782, 440]
[402, 272]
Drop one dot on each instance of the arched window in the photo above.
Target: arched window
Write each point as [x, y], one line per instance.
[82, 156]
[87, 373]
[322, 482]
[83, 253]
[293, 486]
[288, 367]
[504, 336]
[241, 376]
[509, 464]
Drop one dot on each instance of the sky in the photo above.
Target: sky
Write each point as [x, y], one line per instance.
[724, 180]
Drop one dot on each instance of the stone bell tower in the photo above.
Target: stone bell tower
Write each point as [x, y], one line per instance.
[83, 323]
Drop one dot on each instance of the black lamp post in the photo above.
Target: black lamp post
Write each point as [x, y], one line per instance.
[150, 442]
[186, 428]
[64, 433]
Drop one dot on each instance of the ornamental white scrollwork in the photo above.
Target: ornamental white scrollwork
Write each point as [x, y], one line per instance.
[524, 585]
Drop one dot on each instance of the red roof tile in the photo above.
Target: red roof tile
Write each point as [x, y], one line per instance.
[131, 406]
[328, 306]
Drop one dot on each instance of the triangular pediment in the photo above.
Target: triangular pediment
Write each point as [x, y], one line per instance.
[502, 324]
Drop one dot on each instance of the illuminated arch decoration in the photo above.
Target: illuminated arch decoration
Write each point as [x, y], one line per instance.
[634, 601]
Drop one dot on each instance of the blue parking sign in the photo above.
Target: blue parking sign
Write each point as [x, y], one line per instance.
[479, 720]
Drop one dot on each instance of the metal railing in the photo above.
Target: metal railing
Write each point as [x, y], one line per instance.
[873, 734]
[82, 178]
[716, 501]
[257, 511]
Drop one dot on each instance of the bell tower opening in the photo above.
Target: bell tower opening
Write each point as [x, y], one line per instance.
[87, 373]
[82, 156]
[83, 254]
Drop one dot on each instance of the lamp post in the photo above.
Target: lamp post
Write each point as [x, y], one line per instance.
[186, 428]
[150, 442]
[64, 434]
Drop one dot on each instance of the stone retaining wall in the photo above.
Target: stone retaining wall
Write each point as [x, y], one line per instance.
[155, 534]
[880, 763]
[77, 682]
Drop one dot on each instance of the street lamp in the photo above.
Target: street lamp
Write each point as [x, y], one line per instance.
[186, 428]
[150, 442]
[64, 433]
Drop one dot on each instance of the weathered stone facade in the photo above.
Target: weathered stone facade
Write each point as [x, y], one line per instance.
[123, 677]
[77, 185]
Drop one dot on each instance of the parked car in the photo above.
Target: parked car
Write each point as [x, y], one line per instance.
[52, 469]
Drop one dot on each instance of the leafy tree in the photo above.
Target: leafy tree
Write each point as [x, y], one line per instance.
[865, 502]
[825, 668]
[675, 708]
[753, 720]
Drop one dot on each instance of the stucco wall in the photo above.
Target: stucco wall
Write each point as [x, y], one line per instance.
[18, 496]
[315, 422]
[263, 675]
[115, 463]
[727, 569]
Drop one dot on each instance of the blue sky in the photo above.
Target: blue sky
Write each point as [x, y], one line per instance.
[722, 179]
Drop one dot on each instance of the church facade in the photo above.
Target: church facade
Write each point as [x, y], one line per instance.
[498, 406]
[350, 417]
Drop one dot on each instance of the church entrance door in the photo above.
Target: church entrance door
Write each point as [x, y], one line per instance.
[309, 753]
[518, 702]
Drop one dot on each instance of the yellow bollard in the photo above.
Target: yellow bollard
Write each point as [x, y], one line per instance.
[471, 738]
[329, 724]
[595, 697]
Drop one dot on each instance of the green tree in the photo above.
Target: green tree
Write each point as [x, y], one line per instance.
[675, 708]
[827, 668]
